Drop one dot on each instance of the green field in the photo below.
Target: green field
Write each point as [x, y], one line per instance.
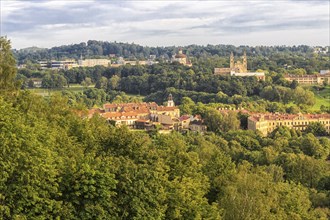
[322, 97]
[47, 92]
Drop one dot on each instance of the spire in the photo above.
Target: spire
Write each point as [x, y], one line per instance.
[170, 102]
[244, 61]
[231, 60]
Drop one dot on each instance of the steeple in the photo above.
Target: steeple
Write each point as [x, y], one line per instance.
[170, 102]
[232, 64]
[244, 61]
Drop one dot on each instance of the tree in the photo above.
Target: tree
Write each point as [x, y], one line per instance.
[86, 82]
[102, 83]
[316, 128]
[7, 65]
[114, 82]
[187, 105]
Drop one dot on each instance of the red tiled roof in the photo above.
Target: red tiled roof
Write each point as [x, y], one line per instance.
[166, 108]
[274, 117]
[184, 117]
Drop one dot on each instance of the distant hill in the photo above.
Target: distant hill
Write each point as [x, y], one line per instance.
[98, 49]
[33, 49]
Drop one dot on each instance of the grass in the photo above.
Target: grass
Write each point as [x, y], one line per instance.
[47, 92]
[322, 96]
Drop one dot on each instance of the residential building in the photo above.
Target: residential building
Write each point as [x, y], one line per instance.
[197, 124]
[149, 115]
[137, 115]
[309, 79]
[266, 123]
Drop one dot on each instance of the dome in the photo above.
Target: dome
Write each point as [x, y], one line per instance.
[180, 56]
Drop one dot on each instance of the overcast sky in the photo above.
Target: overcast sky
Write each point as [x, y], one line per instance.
[165, 23]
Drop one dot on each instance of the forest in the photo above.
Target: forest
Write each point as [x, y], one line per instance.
[57, 164]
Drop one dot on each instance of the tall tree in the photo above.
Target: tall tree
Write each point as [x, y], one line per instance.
[7, 65]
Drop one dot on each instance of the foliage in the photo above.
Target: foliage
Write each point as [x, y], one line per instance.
[7, 66]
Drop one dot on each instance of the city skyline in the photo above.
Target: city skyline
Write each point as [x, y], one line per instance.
[166, 23]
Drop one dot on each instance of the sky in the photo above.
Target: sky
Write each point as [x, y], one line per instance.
[48, 23]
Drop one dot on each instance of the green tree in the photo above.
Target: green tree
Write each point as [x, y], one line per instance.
[7, 65]
[316, 128]
[86, 82]
[187, 105]
[102, 83]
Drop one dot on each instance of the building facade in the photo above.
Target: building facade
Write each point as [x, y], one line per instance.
[266, 123]
[181, 58]
[94, 62]
[317, 79]
[134, 115]
[238, 68]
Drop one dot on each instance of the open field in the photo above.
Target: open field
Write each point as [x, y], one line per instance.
[47, 92]
[322, 97]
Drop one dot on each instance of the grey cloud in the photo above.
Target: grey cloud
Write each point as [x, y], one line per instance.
[126, 18]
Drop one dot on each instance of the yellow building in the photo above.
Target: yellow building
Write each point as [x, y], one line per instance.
[266, 123]
[309, 79]
[94, 62]
[181, 58]
[129, 113]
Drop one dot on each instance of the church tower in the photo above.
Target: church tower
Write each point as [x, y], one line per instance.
[244, 62]
[170, 102]
[232, 62]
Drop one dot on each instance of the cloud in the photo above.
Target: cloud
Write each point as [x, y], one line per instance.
[48, 23]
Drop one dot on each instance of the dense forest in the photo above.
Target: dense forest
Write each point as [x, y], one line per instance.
[57, 164]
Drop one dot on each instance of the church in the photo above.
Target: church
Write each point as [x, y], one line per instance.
[181, 58]
[238, 68]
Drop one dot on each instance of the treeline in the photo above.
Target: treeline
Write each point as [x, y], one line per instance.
[157, 81]
[260, 57]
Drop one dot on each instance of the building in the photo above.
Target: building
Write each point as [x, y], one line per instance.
[138, 115]
[266, 123]
[324, 72]
[121, 61]
[181, 58]
[197, 124]
[238, 68]
[309, 79]
[58, 64]
[94, 62]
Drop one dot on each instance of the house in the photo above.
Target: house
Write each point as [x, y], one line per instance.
[197, 124]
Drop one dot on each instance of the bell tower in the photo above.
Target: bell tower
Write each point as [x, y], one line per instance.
[232, 62]
[170, 102]
[244, 62]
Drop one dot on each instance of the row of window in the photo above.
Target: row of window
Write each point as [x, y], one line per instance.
[296, 123]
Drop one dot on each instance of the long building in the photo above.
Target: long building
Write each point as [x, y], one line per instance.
[309, 79]
[266, 123]
[94, 62]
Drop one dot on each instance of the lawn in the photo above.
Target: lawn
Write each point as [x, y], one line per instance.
[47, 92]
[322, 97]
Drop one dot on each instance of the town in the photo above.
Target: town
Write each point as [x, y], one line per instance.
[164, 110]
